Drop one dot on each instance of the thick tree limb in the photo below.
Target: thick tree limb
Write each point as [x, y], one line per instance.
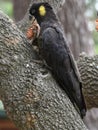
[31, 97]
[88, 67]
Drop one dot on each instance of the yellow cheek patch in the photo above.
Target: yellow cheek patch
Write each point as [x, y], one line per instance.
[42, 10]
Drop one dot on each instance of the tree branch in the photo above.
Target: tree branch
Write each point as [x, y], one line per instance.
[31, 97]
[88, 67]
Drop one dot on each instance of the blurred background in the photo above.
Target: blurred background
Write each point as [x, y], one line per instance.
[16, 10]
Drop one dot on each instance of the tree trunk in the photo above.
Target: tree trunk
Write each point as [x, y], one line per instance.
[20, 8]
[88, 68]
[75, 26]
[31, 96]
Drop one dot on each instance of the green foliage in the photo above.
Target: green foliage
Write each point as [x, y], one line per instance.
[7, 7]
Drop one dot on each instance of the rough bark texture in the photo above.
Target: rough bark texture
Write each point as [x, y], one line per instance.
[71, 14]
[31, 97]
[88, 67]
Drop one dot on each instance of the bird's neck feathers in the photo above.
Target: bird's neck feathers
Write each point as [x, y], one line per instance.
[49, 21]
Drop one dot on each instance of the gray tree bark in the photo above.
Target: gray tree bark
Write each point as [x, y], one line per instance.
[88, 68]
[31, 97]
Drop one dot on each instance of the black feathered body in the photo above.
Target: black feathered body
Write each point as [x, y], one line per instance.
[58, 57]
[56, 53]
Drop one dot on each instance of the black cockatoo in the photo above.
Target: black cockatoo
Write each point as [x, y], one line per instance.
[57, 54]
